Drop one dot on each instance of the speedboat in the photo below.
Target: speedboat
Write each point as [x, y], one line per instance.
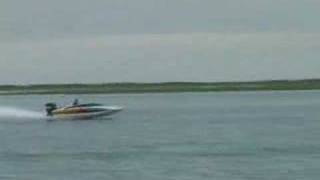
[80, 111]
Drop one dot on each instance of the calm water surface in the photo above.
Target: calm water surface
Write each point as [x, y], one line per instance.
[234, 135]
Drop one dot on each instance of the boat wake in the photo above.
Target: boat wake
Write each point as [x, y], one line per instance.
[17, 113]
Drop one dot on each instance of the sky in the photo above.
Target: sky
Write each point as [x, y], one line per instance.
[101, 41]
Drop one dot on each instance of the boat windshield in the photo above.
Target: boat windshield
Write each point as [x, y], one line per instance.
[86, 105]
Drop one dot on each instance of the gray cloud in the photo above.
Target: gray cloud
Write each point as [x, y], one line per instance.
[63, 18]
[163, 57]
[64, 41]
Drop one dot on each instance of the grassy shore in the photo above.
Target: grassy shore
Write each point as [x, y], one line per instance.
[310, 84]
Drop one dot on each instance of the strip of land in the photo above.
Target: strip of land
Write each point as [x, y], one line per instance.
[309, 84]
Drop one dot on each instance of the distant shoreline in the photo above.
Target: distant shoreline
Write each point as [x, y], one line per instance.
[169, 87]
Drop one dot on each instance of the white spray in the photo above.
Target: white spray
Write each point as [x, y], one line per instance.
[12, 112]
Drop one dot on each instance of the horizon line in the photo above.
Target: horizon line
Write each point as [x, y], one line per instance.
[165, 82]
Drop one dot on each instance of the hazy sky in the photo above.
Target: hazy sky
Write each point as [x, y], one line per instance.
[81, 41]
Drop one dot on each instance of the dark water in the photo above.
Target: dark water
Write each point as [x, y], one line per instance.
[247, 135]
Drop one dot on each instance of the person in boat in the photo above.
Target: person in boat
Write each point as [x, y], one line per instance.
[75, 102]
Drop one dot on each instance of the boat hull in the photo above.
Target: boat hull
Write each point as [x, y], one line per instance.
[84, 113]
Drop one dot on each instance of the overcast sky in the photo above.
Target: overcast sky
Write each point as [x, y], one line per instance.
[90, 41]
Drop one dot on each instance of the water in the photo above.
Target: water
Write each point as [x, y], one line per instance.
[234, 135]
[19, 113]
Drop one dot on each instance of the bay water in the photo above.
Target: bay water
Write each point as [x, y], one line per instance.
[185, 136]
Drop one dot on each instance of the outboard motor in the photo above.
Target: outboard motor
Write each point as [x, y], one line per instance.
[50, 107]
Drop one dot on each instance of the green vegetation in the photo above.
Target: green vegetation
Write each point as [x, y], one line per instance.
[310, 84]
